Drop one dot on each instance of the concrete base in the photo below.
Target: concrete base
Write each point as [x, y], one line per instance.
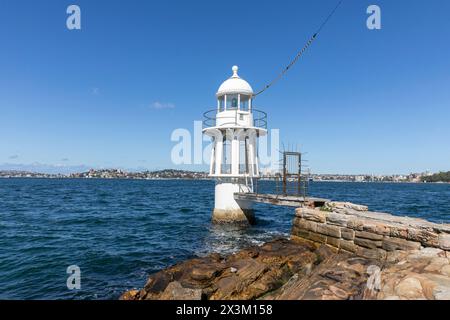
[239, 216]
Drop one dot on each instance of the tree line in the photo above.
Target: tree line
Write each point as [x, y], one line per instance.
[438, 177]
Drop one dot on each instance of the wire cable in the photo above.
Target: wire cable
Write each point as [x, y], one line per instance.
[300, 53]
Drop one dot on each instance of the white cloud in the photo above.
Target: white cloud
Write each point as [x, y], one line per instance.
[162, 105]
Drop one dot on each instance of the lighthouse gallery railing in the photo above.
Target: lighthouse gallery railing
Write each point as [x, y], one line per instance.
[259, 119]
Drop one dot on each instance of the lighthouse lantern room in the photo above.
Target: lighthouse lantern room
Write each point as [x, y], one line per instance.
[234, 127]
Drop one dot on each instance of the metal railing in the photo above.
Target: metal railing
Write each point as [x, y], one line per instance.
[259, 119]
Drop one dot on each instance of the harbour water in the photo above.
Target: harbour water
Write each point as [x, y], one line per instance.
[120, 231]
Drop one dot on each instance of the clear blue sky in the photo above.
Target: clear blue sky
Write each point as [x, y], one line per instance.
[359, 101]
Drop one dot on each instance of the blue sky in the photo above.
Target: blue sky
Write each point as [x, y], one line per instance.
[359, 101]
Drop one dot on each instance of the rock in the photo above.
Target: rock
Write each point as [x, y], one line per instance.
[339, 293]
[426, 253]
[315, 237]
[398, 231]
[306, 225]
[129, 295]
[313, 215]
[376, 254]
[436, 264]
[233, 270]
[377, 229]
[175, 291]
[444, 241]
[424, 236]
[337, 219]
[392, 244]
[346, 205]
[410, 288]
[348, 246]
[335, 242]
[368, 235]
[203, 273]
[347, 234]
[330, 230]
[355, 224]
[445, 270]
[442, 293]
[366, 243]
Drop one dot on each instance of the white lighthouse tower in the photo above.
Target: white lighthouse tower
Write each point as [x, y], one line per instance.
[234, 127]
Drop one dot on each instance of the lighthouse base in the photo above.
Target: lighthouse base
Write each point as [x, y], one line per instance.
[226, 208]
[239, 216]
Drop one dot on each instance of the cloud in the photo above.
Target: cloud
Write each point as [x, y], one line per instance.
[162, 105]
[14, 156]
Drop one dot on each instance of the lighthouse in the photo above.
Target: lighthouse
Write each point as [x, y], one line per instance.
[234, 126]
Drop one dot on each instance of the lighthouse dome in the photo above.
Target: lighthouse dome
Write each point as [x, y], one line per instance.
[235, 85]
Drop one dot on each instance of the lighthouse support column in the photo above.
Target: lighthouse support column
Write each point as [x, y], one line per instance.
[226, 208]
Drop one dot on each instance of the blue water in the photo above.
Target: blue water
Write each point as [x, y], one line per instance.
[120, 231]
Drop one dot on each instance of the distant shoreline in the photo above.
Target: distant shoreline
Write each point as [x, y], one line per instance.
[210, 179]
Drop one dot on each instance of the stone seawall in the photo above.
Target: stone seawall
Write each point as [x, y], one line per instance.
[352, 228]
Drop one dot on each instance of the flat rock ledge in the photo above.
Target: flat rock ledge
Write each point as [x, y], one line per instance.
[340, 251]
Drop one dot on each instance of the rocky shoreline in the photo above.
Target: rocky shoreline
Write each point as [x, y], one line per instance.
[337, 252]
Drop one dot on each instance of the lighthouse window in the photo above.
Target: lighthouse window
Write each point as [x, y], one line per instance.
[232, 101]
[244, 103]
[221, 102]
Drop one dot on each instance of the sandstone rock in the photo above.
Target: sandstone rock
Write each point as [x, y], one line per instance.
[348, 246]
[338, 292]
[320, 238]
[366, 243]
[392, 244]
[175, 291]
[376, 228]
[355, 224]
[444, 241]
[313, 215]
[424, 236]
[307, 225]
[347, 234]
[330, 230]
[368, 235]
[426, 253]
[410, 288]
[204, 273]
[129, 295]
[445, 270]
[346, 205]
[298, 212]
[441, 285]
[376, 254]
[436, 264]
[335, 242]
[337, 219]
[397, 231]
[299, 232]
